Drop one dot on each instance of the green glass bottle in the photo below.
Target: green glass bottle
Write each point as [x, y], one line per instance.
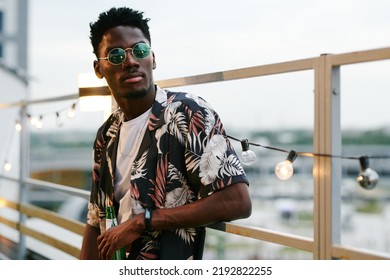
[111, 221]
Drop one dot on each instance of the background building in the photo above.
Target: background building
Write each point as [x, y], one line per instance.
[13, 72]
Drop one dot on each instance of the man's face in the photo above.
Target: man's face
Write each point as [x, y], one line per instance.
[133, 78]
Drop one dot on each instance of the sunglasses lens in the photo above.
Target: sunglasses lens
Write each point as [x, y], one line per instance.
[117, 56]
[141, 50]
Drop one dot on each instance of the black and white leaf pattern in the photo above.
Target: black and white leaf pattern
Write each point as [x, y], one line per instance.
[139, 167]
[178, 197]
[193, 153]
[178, 127]
[211, 159]
[187, 234]
[231, 167]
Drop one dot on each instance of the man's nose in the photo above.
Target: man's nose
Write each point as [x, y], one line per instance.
[130, 60]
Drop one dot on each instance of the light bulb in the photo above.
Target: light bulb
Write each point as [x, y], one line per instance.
[39, 123]
[248, 156]
[18, 126]
[33, 120]
[7, 166]
[367, 177]
[284, 170]
[72, 112]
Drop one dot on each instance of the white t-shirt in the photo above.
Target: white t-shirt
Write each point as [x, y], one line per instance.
[130, 138]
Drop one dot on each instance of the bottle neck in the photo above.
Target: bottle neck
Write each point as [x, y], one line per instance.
[110, 212]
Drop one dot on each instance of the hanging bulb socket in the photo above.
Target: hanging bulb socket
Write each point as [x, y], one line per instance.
[367, 177]
[58, 120]
[248, 156]
[284, 170]
[292, 155]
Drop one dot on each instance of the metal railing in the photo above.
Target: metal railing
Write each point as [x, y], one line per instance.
[325, 243]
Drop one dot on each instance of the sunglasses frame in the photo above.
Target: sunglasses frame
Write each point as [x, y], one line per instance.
[125, 52]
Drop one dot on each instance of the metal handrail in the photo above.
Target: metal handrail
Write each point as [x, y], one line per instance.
[49, 186]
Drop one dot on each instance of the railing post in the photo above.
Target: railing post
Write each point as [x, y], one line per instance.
[326, 170]
[336, 165]
[24, 172]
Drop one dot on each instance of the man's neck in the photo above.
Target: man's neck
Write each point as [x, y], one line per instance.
[133, 108]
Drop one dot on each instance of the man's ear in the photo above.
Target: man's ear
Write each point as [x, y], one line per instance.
[154, 61]
[96, 66]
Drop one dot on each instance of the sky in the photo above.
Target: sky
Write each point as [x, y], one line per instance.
[203, 36]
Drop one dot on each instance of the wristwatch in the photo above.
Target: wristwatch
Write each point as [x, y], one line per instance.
[148, 220]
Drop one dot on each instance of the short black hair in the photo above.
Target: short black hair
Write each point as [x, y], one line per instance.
[115, 17]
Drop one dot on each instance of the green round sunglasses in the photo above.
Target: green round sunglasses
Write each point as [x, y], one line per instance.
[117, 56]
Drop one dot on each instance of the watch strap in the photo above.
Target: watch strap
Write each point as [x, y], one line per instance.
[148, 219]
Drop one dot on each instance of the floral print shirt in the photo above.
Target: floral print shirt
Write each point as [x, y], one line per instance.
[184, 156]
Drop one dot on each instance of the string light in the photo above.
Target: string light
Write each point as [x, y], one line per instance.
[367, 177]
[38, 123]
[248, 156]
[284, 169]
[7, 166]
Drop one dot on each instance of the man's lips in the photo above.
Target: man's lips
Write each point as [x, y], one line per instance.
[132, 78]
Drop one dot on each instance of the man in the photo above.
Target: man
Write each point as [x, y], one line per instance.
[163, 159]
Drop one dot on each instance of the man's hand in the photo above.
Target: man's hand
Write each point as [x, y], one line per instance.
[122, 235]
